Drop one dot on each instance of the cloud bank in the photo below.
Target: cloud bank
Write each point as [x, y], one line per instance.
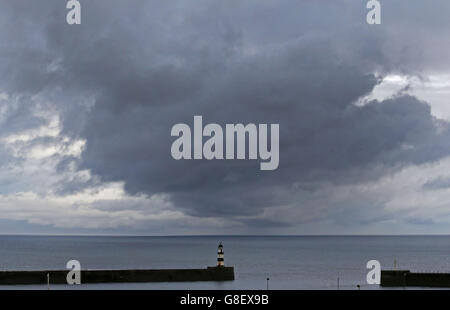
[86, 113]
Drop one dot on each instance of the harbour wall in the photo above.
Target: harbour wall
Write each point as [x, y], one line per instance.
[398, 278]
[114, 276]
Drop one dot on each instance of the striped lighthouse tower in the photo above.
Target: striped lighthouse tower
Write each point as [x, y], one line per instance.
[220, 255]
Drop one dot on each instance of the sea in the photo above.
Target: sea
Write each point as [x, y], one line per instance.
[260, 262]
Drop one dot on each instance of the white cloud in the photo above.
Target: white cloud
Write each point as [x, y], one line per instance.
[432, 88]
[33, 179]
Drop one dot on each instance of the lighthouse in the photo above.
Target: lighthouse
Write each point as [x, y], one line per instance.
[220, 255]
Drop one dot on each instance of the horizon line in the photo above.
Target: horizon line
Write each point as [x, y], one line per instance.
[218, 235]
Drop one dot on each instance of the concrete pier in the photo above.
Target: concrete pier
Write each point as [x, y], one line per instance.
[113, 276]
[398, 278]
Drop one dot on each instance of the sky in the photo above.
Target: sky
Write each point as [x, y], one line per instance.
[86, 113]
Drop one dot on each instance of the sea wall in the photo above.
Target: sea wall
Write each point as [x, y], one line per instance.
[110, 276]
[396, 278]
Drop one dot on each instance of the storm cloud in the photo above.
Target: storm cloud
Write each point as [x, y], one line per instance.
[129, 72]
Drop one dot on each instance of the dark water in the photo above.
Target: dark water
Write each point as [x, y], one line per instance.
[292, 262]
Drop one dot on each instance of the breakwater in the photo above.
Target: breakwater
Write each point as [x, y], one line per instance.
[115, 276]
[396, 278]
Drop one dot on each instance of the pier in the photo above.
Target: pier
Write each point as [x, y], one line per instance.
[115, 276]
[217, 273]
[399, 278]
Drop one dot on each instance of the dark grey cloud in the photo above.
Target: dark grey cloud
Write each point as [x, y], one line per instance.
[130, 72]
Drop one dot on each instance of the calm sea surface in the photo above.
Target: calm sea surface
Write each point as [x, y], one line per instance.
[294, 262]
